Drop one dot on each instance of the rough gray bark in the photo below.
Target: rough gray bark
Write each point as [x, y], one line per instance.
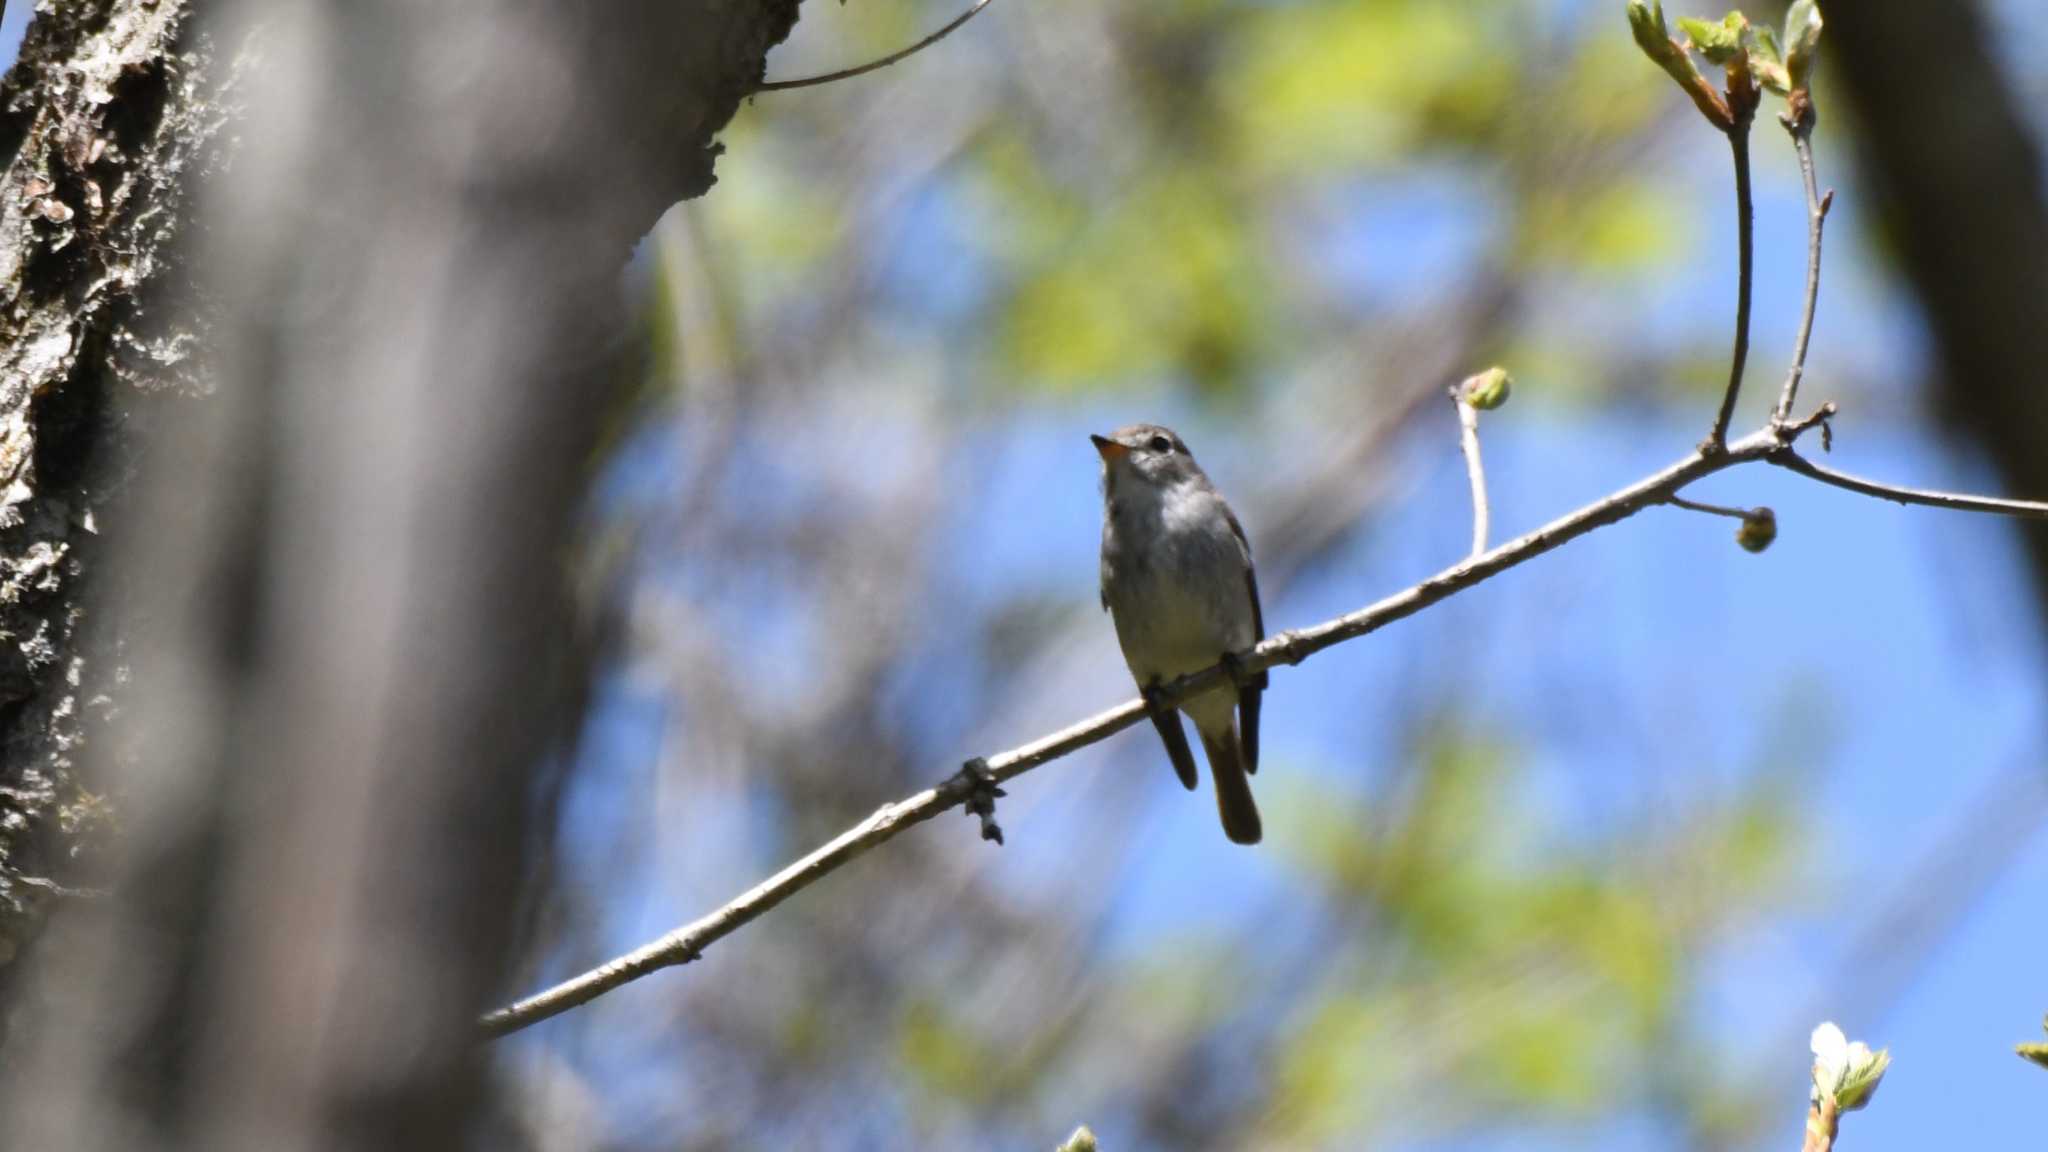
[342, 571]
[102, 118]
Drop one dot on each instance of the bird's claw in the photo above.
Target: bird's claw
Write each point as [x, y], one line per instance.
[981, 794]
[1233, 667]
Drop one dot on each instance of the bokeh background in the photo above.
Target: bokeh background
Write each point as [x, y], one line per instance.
[1577, 859]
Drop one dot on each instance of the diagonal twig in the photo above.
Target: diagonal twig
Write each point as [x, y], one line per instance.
[1745, 226]
[1792, 461]
[875, 65]
[1710, 509]
[1799, 121]
[1475, 469]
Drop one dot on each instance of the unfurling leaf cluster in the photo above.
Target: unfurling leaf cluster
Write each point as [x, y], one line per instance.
[1752, 55]
[1845, 1074]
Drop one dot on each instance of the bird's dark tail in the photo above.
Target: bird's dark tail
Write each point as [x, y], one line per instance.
[1233, 791]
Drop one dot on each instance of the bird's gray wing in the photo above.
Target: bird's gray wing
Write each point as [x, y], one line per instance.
[1105, 570]
[1167, 720]
[1248, 694]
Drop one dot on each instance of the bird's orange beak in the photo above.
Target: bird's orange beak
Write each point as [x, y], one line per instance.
[1109, 449]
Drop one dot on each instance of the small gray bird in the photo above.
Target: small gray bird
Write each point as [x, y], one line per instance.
[1177, 579]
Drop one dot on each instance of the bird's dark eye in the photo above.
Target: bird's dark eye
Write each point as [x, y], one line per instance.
[1161, 444]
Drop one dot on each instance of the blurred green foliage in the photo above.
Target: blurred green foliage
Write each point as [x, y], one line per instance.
[1312, 88]
[1148, 246]
[1504, 969]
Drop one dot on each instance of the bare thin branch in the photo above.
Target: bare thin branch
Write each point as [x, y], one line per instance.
[1924, 497]
[875, 65]
[1799, 122]
[1773, 444]
[1818, 418]
[1475, 470]
[1710, 509]
[688, 942]
[1823, 1122]
[1745, 226]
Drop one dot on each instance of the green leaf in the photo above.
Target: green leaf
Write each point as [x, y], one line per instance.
[1702, 32]
[1763, 44]
[1767, 61]
[1802, 41]
[1866, 1072]
[2038, 1053]
[1719, 43]
[1848, 1073]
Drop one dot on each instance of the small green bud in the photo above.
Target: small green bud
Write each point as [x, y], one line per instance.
[1802, 41]
[1081, 1141]
[1653, 36]
[1646, 20]
[1488, 390]
[1759, 530]
[1845, 1072]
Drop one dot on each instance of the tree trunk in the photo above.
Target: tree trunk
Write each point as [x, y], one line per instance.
[103, 115]
[342, 571]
